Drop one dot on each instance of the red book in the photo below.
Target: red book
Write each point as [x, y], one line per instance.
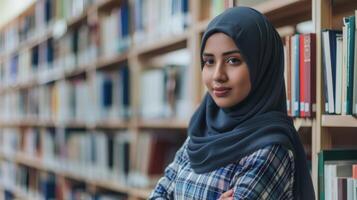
[310, 73]
[354, 171]
[313, 74]
[302, 75]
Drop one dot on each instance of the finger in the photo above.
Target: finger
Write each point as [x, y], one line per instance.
[227, 194]
[225, 198]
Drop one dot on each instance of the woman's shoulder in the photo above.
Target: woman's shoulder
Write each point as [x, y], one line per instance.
[275, 153]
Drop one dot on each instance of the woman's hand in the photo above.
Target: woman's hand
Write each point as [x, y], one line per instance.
[227, 195]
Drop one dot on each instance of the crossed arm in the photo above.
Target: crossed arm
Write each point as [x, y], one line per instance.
[265, 174]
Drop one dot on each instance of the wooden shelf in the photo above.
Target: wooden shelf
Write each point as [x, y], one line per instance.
[280, 13]
[31, 42]
[114, 60]
[286, 12]
[107, 5]
[141, 193]
[106, 124]
[339, 121]
[113, 124]
[19, 86]
[164, 45]
[201, 26]
[302, 122]
[36, 163]
[75, 21]
[163, 124]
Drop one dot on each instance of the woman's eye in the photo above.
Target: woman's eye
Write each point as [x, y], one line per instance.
[233, 61]
[208, 61]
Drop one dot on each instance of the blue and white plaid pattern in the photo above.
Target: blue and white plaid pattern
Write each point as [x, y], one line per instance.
[265, 174]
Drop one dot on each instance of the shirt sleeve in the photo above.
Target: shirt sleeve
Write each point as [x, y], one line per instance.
[164, 189]
[266, 174]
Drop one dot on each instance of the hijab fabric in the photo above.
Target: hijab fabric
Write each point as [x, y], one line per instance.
[220, 136]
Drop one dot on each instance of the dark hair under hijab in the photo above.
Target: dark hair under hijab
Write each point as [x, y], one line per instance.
[220, 136]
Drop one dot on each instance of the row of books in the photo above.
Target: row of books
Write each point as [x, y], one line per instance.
[41, 16]
[169, 98]
[154, 19]
[340, 68]
[72, 100]
[115, 31]
[79, 47]
[108, 34]
[218, 6]
[300, 72]
[95, 155]
[154, 151]
[25, 182]
[338, 174]
[109, 98]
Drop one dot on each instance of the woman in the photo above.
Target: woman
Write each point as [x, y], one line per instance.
[241, 144]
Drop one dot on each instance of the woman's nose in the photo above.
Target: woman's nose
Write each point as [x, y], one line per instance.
[220, 74]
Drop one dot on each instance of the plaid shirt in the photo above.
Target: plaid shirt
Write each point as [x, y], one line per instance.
[265, 174]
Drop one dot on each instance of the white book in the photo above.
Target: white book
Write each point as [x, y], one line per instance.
[350, 188]
[293, 87]
[339, 54]
[354, 189]
[328, 182]
[152, 93]
[344, 71]
[328, 68]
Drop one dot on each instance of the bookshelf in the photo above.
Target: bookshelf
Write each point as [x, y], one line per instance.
[145, 52]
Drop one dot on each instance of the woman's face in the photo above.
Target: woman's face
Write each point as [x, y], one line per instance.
[225, 73]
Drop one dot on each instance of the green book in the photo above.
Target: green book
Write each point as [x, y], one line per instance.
[349, 22]
[354, 106]
[331, 155]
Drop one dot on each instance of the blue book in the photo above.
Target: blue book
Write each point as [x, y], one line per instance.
[125, 77]
[50, 51]
[124, 16]
[8, 195]
[185, 10]
[14, 67]
[48, 10]
[48, 188]
[35, 57]
[107, 92]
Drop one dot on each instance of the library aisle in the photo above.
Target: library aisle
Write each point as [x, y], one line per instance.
[96, 95]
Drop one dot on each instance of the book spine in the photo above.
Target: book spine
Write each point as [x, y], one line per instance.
[288, 64]
[354, 102]
[302, 76]
[350, 23]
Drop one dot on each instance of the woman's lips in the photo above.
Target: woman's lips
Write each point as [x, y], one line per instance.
[221, 91]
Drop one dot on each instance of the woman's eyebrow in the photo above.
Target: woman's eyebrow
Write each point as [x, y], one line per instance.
[230, 52]
[207, 54]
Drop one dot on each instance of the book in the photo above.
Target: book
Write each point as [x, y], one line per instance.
[159, 19]
[288, 84]
[354, 101]
[329, 66]
[339, 71]
[349, 23]
[302, 77]
[295, 86]
[335, 157]
[310, 74]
